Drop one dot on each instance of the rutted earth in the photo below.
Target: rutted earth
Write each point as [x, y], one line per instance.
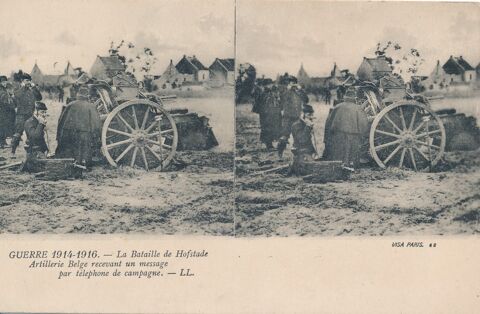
[371, 202]
[196, 199]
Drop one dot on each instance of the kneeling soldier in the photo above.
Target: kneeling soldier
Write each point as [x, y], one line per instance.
[304, 148]
[36, 146]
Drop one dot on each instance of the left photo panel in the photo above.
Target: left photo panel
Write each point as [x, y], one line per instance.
[117, 117]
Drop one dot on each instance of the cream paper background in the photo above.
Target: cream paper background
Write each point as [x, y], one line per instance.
[302, 275]
[281, 275]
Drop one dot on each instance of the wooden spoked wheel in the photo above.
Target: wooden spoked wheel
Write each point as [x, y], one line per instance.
[407, 134]
[139, 133]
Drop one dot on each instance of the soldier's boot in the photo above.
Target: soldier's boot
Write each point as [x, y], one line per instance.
[15, 143]
[3, 141]
[282, 144]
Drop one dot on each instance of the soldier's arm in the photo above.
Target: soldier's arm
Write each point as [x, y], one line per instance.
[304, 96]
[4, 98]
[34, 133]
[13, 102]
[36, 93]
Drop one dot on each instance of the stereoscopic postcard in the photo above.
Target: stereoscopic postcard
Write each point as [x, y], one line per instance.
[239, 156]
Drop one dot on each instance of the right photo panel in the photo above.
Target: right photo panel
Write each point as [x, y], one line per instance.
[357, 119]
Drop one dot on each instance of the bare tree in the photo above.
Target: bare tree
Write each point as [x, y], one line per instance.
[137, 60]
[404, 62]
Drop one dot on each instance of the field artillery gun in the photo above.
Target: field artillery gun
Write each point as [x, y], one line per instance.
[137, 130]
[404, 131]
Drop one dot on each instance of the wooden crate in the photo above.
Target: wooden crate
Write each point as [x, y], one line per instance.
[320, 171]
[56, 169]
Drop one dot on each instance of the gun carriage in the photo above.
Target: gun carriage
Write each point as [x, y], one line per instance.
[137, 130]
[404, 131]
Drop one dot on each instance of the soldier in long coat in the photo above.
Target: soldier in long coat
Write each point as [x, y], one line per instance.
[7, 112]
[267, 105]
[346, 132]
[25, 98]
[79, 128]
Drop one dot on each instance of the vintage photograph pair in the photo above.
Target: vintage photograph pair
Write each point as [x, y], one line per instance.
[240, 118]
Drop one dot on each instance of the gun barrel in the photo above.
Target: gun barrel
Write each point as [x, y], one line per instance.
[435, 97]
[166, 97]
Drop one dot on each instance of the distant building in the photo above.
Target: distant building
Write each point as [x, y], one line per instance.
[36, 74]
[319, 81]
[313, 84]
[105, 68]
[188, 69]
[373, 68]
[337, 77]
[302, 77]
[223, 71]
[458, 70]
[70, 70]
[455, 73]
[50, 80]
[192, 67]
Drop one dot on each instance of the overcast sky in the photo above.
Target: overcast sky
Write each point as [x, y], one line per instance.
[277, 36]
[56, 31]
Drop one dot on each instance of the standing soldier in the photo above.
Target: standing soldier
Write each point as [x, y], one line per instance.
[346, 130]
[328, 96]
[269, 110]
[79, 128]
[7, 112]
[61, 93]
[292, 99]
[25, 98]
[257, 94]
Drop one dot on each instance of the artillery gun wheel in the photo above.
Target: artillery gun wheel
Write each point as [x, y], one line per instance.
[101, 107]
[139, 133]
[407, 134]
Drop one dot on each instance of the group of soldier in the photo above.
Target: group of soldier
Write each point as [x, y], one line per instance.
[18, 107]
[284, 110]
[22, 110]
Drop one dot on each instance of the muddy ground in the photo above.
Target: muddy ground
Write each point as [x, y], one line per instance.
[372, 202]
[196, 199]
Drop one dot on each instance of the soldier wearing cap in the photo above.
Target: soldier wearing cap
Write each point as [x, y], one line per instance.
[302, 131]
[36, 146]
[25, 98]
[292, 99]
[7, 112]
[304, 148]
